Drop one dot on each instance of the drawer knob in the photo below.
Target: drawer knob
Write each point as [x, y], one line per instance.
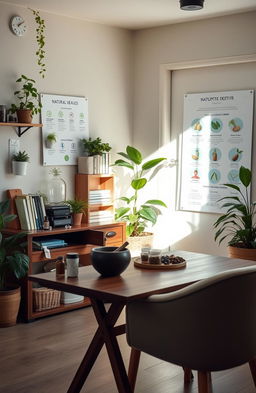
[110, 234]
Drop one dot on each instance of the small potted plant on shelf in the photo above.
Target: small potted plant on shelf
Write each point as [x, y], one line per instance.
[29, 104]
[19, 163]
[78, 207]
[138, 216]
[97, 157]
[50, 140]
[239, 220]
[13, 266]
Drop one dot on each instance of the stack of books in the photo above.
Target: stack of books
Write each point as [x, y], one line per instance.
[49, 243]
[101, 216]
[31, 211]
[100, 197]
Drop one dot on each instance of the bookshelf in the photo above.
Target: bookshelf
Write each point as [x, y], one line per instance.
[77, 239]
[98, 190]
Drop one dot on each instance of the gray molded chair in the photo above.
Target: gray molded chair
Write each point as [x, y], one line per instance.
[207, 326]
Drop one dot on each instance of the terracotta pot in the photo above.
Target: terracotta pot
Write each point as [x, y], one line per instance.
[242, 253]
[77, 218]
[138, 242]
[24, 115]
[9, 307]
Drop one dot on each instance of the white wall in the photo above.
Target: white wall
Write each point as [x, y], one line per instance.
[185, 42]
[83, 59]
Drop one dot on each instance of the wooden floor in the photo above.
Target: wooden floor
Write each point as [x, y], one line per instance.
[42, 357]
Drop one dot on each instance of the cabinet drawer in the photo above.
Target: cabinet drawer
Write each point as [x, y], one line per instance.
[114, 235]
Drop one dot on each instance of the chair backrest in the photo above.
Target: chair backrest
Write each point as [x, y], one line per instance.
[208, 326]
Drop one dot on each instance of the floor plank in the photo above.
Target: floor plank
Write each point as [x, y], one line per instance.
[42, 357]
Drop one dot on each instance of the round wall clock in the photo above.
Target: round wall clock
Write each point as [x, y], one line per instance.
[18, 26]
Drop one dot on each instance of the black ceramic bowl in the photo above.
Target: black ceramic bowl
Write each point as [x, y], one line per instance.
[109, 263]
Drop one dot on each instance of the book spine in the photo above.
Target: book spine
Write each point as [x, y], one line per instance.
[32, 211]
[22, 213]
[40, 211]
[35, 211]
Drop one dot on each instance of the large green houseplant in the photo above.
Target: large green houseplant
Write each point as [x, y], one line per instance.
[28, 97]
[13, 264]
[138, 216]
[238, 223]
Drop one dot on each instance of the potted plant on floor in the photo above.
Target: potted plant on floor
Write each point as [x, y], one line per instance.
[50, 140]
[19, 163]
[239, 220]
[29, 104]
[78, 207]
[138, 216]
[13, 263]
[97, 157]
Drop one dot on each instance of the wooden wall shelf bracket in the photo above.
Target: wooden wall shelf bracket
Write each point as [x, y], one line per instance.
[21, 128]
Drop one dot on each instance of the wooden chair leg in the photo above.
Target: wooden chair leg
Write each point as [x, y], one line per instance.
[188, 375]
[204, 382]
[252, 364]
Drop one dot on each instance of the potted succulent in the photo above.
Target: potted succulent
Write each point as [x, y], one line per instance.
[29, 104]
[97, 157]
[138, 216]
[78, 207]
[50, 140]
[238, 222]
[19, 163]
[13, 264]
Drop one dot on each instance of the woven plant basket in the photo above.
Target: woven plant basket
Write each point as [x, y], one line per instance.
[45, 298]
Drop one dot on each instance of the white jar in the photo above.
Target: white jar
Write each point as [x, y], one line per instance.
[72, 262]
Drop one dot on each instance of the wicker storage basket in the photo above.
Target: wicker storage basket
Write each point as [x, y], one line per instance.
[45, 298]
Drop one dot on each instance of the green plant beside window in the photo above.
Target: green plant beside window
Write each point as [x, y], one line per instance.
[77, 205]
[138, 216]
[12, 260]
[21, 156]
[28, 96]
[52, 137]
[239, 220]
[93, 147]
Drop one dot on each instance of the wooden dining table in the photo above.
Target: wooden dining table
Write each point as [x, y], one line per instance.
[110, 295]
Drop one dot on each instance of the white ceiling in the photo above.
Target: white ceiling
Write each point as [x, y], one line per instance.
[135, 14]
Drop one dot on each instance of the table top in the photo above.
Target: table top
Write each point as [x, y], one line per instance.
[136, 283]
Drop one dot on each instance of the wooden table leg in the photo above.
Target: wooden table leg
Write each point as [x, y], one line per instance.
[107, 325]
[133, 367]
[94, 350]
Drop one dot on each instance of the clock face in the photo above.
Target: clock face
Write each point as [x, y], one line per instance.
[18, 26]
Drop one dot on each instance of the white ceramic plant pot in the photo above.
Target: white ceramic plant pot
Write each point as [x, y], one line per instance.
[49, 144]
[19, 168]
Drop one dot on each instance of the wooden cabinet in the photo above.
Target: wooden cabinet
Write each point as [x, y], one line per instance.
[78, 239]
[98, 190]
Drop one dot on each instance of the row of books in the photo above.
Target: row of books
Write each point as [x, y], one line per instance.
[100, 197]
[31, 211]
[100, 216]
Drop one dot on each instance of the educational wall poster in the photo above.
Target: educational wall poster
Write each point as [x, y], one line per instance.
[67, 118]
[216, 141]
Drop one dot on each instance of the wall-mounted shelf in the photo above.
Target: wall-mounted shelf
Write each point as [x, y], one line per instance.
[21, 128]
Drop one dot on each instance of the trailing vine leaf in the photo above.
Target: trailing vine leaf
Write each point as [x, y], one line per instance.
[40, 38]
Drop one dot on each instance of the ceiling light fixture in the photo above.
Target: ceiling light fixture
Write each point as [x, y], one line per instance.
[191, 5]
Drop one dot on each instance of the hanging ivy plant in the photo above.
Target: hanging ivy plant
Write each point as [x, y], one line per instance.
[40, 38]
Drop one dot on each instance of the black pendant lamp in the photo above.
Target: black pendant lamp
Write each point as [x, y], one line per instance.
[191, 5]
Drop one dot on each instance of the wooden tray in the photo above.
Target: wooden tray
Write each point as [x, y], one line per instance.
[146, 265]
